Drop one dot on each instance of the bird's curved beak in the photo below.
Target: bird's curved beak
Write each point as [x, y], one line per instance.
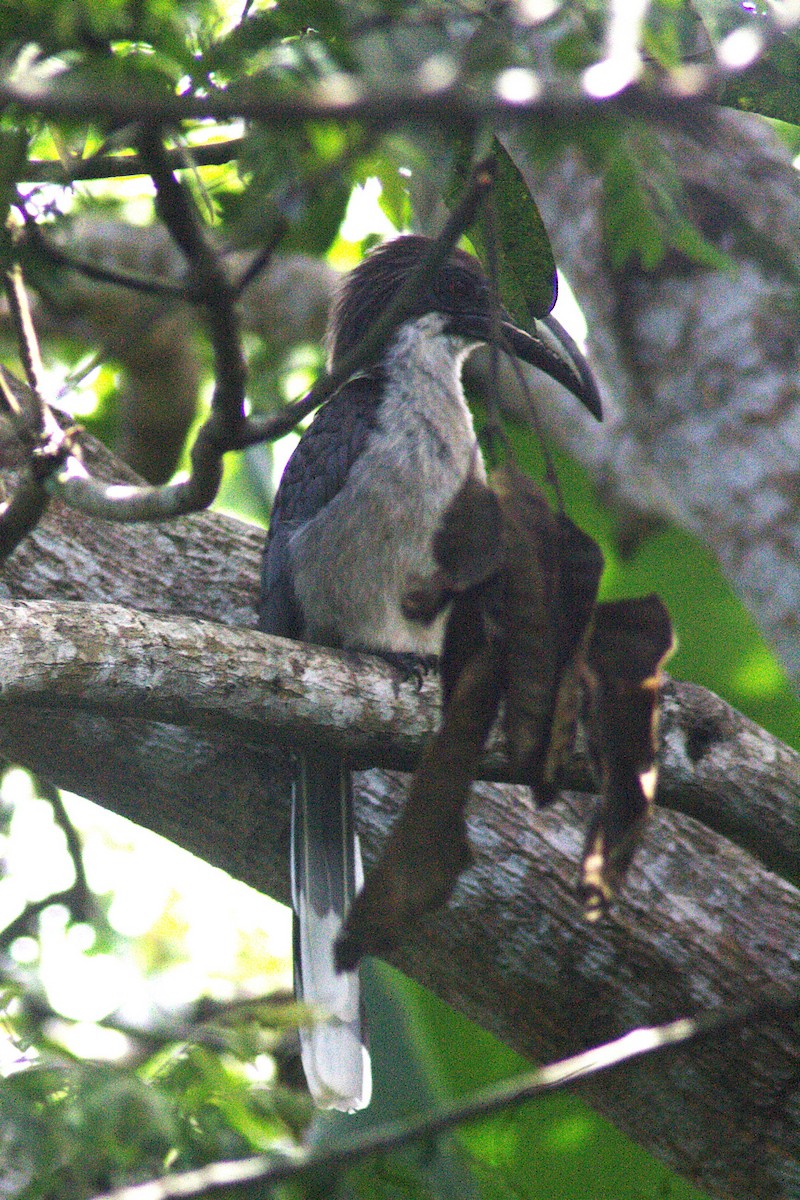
[548, 347]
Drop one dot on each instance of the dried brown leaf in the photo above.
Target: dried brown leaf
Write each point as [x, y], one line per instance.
[630, 641]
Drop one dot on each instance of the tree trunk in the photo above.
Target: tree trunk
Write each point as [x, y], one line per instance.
[698, 363]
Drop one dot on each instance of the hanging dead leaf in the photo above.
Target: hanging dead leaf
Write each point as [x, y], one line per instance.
[467, 549]
[428, 847]
[552, 572]
[630, 641]
[469, 552]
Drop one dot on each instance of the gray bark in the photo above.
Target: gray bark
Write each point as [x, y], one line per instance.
[86, 698]
[699, 366]
[104, 663]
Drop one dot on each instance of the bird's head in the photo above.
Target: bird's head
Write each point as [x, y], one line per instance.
[460, 294]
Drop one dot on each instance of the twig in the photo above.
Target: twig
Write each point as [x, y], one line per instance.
[211, 286]
[394, 1134]
[78, 897]
[127, 279]
[121, 166]
[83, 893]
[34, 424]
[263, 258]
[22, 924]
[26, 338]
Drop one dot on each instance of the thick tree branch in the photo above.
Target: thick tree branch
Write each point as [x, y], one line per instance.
[114, 662]
[699, 924]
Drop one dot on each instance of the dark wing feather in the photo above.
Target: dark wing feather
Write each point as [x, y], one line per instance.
[325, 855]
[314, 474]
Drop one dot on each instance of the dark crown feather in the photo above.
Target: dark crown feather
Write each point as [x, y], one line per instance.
[459, 287]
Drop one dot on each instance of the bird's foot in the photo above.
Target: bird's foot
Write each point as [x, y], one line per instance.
[410, 666]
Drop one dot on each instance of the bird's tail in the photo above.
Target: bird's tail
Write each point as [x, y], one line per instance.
[326, 874]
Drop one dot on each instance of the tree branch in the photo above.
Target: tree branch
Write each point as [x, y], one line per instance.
[102, 659]
[379, 1139]
[345, 98]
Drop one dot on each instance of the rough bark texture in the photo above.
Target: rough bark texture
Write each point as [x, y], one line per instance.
[700, 925]
[101, 664]
[701, 922]
[699, 365]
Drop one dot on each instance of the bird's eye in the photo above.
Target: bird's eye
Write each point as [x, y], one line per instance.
[459, 289]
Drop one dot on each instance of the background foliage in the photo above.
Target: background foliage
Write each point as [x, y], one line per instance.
[203, 1070]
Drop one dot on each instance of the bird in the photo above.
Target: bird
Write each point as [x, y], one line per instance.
[352, 520]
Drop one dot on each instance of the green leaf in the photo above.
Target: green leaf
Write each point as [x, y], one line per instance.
[670, 31]
[771, 86]
[630, 226]
[525, 263]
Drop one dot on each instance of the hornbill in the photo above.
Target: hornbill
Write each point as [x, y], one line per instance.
[353, 518]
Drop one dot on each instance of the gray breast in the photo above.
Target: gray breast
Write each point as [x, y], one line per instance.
[353, 560]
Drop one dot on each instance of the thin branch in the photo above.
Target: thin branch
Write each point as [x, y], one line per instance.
[83, 893]
[344, 98]
[263, 258]
[34, 424]
[78, 897]
[127, 279]
[148, 284]
[393, 1135]
[32, 414]
[26, 339]
[120, 166]
[22, 925]
[211, 286]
